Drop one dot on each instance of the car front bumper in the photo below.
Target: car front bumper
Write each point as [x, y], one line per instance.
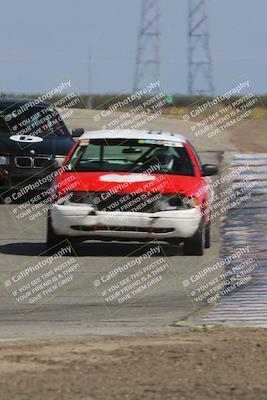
[80, 220]
[19, 183]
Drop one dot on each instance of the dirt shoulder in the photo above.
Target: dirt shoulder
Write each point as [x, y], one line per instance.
[250, 136]
[216, 363]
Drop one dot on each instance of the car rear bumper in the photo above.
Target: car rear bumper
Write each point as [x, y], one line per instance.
[84, 221]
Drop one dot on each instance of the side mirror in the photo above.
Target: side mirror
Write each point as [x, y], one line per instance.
[209, 170]
[77, 132]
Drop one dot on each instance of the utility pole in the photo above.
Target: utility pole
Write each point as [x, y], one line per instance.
[90, 97]
[200, 75]
[148, 47]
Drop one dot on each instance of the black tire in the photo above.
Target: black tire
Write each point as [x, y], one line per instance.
[195, 245]
[52, 239]
[207, 236]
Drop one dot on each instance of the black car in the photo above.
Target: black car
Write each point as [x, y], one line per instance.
[33, 142]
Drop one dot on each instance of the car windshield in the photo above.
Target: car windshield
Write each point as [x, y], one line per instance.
[37, 121]
[117, 155]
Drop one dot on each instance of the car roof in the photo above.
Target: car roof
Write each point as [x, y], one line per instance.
[134, 134]
[7, 102]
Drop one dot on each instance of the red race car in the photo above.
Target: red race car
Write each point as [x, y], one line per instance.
[133, 185]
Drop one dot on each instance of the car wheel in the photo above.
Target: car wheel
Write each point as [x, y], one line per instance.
[207, 236]
[52, 239]
[195, 245]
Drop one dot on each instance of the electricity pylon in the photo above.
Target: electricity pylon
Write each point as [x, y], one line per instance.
[200, 75]
[148, 47]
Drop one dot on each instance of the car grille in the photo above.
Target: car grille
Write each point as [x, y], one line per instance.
[32, 162]
[41, 162]
[23, 162]
[143, 202]
[129, 202]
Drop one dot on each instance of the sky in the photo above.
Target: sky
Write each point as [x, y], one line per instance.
[45, 42]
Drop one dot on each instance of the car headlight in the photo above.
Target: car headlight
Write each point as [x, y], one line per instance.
[177, 201]
[60, 159]
[4, 160]
[170, 202]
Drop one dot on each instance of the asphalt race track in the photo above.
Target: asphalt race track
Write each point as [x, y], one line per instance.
[79, 310]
